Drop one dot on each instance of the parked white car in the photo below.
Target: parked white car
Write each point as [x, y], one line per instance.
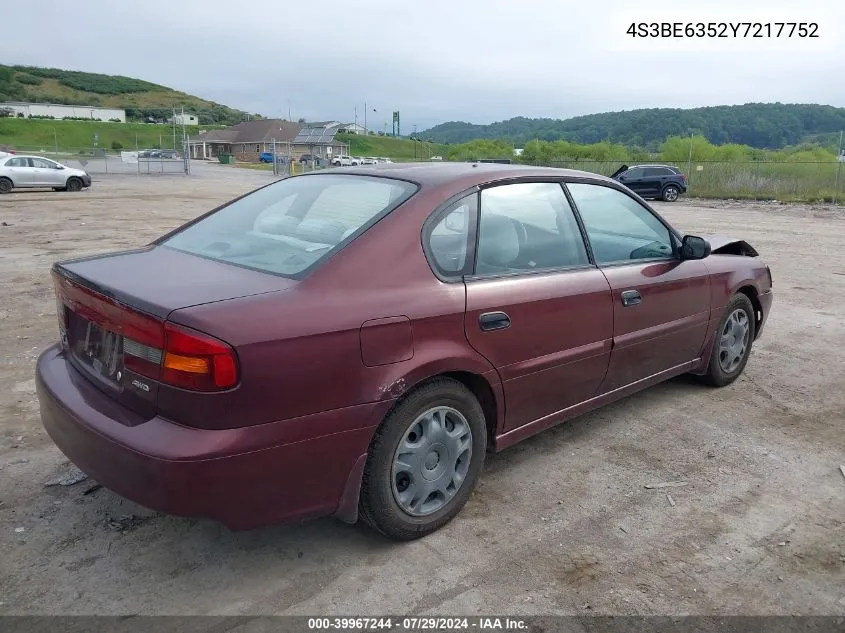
[342, 161]
[437, 158]
[368, 160]
[18, 172]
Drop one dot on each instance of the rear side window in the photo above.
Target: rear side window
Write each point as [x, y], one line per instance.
[527, 226]
[448, 240]
[17, 162]
[289, 226]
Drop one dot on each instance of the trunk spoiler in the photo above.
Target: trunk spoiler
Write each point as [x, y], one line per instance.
[619, 171]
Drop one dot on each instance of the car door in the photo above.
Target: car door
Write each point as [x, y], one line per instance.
[537, 309]
[20, 171]
[632, 179]
[46, 173]
[661, 305]
[650, 182]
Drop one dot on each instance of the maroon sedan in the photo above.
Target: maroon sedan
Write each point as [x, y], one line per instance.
[351, 342]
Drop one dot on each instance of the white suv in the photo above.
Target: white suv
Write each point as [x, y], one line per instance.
[342, 161]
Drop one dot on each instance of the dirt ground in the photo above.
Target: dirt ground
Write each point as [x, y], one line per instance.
[561, 523]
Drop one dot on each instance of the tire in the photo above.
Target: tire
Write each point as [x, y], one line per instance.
[724, 367]
[74, 184]
[6, 185]
[670, 193]
[395, 498]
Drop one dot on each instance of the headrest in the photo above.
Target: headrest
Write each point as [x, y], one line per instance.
[310, 230]
[498, 244]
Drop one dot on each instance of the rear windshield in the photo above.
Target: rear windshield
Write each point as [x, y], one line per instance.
[289, 226]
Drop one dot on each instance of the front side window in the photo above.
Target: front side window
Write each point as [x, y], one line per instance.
[527, 226]
[620, 228]
[447, 242]
[43, 164]
[634, 172]
[287, 227]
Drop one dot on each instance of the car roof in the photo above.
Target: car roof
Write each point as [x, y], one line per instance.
[653, 165]
[435, 174]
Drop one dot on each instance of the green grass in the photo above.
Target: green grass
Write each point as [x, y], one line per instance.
[42, 135]
[397, 149]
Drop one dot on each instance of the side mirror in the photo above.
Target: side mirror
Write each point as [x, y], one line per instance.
[60, 166]
[694, 247]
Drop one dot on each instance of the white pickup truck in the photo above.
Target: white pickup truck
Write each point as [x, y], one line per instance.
[343, 161]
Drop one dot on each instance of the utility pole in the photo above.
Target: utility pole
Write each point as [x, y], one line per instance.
[689, 161]
[174, 128]
[839, 158]
[365, 117]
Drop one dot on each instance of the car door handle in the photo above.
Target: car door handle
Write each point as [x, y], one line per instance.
[493, 321]
[631, 298]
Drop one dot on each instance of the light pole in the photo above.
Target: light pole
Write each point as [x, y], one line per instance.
[839, 158]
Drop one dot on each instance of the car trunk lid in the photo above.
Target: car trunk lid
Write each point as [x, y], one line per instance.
[113, 313]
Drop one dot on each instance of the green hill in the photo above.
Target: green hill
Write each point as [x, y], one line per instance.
[140, 99]
[761, 125]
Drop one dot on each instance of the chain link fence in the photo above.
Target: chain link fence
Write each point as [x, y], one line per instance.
[749, 180]
[98, 161]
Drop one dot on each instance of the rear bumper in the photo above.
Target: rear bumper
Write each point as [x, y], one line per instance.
[243, 477]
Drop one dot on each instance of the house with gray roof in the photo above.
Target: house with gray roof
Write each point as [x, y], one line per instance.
[247, 140]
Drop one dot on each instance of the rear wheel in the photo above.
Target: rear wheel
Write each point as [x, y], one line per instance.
[74, 184]
[670, 193]
[6, 185]
[424, 461]
[732, 346]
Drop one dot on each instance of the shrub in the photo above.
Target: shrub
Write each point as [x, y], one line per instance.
[116, 145]
[29, 80]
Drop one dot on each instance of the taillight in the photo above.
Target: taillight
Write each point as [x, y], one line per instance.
[769, 273]
[197, 361]
[183, 358]
[61, 313]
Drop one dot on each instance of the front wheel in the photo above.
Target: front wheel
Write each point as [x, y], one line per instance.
[732, 346]
[424, 461]
[74, 184]
[670, 193]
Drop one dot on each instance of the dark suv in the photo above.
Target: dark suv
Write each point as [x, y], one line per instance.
[664, 182]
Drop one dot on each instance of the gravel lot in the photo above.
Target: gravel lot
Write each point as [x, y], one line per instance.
[561, 523]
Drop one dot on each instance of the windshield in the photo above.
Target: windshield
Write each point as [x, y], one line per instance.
[289, 226]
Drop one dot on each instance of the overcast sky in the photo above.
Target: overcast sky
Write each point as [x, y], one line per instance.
[437, 60]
